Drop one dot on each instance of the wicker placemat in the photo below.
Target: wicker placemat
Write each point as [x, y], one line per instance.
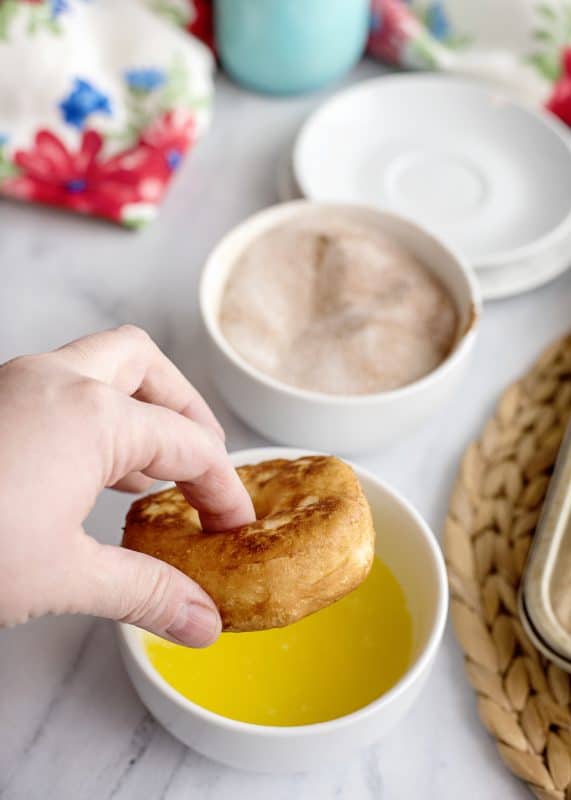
[523, 699]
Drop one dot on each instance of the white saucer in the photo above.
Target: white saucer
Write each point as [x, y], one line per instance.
[490, 175]
[496, 284]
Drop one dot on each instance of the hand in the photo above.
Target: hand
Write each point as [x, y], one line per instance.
[107, 410]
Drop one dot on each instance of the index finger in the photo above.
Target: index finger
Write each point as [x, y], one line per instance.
[130, 361]
[166, 446]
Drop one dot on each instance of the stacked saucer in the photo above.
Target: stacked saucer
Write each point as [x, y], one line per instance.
[489, 175]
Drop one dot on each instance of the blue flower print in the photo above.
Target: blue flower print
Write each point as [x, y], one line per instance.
[375, 21]
[76, 185]
[437, 21]
[58, 7]
[3, 139]
[145, 80]
[83, 100]
[174, 158]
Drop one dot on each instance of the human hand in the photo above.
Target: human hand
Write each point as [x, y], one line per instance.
[107, 410]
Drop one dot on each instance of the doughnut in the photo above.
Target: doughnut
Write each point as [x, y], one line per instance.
[312, 542]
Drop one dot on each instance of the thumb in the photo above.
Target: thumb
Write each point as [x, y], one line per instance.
[132, 587]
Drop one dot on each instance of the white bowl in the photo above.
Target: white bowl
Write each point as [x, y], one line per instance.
[335, 423]
[486, 172]
[409, 548]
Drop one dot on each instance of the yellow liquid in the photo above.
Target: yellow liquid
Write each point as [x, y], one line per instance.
[322, 667]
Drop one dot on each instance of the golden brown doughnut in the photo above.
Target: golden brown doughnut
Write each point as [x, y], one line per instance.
[312, 543]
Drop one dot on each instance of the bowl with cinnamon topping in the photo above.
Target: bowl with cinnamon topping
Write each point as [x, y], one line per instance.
[336, 327]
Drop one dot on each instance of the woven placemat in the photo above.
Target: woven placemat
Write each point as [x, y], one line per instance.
[523, 699]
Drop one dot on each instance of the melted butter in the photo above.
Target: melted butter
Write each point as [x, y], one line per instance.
[322, 667]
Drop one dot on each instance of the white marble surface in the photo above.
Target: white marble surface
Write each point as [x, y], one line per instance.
[71, 726]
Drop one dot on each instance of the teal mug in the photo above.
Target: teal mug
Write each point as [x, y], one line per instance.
[290, 46]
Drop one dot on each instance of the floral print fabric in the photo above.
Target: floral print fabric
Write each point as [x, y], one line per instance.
[104, 125]
[523, 45]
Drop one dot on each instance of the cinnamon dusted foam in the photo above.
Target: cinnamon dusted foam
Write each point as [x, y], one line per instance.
[333, 305]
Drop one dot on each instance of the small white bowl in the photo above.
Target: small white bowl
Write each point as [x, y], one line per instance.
[335, 423]
[407, 545]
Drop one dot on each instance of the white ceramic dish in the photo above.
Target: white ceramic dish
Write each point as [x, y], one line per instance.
[409, 548]
[527, 274]
[490, 175]
[335, 423]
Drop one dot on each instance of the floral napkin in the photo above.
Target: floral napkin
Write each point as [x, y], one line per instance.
[195, 16]
[109, 97]
[523, 46]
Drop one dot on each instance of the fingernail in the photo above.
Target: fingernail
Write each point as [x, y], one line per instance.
[195, 625]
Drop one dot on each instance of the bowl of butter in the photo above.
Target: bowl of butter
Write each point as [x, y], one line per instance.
[295, 697]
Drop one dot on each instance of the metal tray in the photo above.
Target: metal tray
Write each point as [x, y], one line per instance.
[545, 594]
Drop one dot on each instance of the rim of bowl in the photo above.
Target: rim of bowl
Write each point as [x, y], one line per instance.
[458, 352]
[132, 637]
[561, 132]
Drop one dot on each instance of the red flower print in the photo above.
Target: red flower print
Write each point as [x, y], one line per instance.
[560, 101]
[169, 137]
[393, 25]
[202, 23]
[52, 174]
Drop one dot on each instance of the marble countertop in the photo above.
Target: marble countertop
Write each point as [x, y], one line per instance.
[71, 725]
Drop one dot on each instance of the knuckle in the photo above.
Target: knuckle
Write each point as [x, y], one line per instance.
[92, 397]
[82, 349]
[215, 446]
[134, 332]
[26, 363]
[218, 481]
